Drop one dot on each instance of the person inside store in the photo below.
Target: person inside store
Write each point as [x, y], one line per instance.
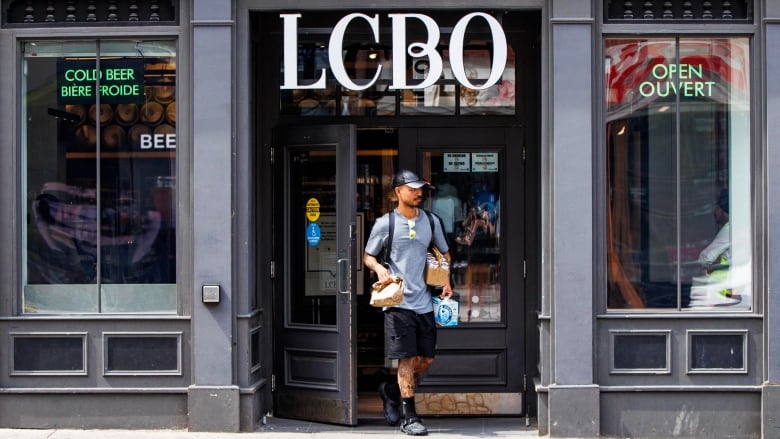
[410, 330]
[711, 289]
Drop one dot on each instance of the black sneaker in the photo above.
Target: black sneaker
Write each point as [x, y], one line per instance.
[414, 427]
[391, 408]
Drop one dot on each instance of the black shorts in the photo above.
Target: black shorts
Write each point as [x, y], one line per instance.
[409, 334]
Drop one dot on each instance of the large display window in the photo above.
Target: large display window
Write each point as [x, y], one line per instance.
[99, 160]
[679, 230]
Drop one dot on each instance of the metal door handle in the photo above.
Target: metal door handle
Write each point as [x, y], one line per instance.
[343, 276]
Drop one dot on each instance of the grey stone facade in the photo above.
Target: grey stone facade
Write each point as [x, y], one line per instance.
[222, 233]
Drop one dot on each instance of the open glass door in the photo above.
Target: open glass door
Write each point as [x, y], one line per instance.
[314, 306]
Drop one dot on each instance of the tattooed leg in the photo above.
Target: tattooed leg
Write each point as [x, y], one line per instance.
[406, 369]
[421, 365]
[409, 371]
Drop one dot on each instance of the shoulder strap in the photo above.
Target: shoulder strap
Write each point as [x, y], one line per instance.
[430, 220]
[391, 230]
[431, 216]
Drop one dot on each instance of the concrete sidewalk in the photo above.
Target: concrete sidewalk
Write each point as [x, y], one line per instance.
[290, 429]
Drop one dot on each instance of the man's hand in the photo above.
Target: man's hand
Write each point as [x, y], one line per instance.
[382, 273]
[446, 292]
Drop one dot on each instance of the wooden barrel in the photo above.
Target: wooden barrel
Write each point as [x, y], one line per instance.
[148, 93]
[134, 135]
[170, 113]
[86, 137]
[152, 113]
[164, 129]
[78, 111]
[106, 113]
[126, 114]
[113, 137]
[165, 94]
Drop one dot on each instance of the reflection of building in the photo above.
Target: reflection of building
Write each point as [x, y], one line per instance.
[146, 250]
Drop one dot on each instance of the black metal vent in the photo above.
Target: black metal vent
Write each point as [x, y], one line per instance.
[37, 13]
[678, 10]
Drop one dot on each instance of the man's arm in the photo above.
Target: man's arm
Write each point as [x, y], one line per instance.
[373, 264]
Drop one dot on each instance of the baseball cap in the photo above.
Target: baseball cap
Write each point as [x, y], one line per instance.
[410, 179]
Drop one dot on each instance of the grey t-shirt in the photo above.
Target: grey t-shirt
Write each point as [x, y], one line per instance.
[408, 255]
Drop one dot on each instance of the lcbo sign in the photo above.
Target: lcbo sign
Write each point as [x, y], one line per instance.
[400, 50]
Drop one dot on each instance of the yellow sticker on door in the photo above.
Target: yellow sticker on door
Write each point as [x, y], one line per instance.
[313, 209]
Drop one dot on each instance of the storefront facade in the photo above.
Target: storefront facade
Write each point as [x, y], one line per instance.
[603, 170]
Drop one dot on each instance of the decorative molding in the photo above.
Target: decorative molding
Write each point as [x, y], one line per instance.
[653, 11]
[36, 13]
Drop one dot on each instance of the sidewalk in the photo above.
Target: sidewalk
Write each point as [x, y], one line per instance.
[290, 429]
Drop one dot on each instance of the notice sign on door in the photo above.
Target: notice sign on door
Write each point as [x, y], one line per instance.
[457, 162]
[484, 162]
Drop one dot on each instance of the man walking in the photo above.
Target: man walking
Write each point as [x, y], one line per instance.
[410, 329]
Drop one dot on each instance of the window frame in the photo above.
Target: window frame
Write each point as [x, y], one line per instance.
[625, 30]
[174, 42]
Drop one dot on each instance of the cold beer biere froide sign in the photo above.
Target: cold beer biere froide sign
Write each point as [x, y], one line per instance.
[117, 81]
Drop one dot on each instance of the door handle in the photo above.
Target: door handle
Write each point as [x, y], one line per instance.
[343, 276]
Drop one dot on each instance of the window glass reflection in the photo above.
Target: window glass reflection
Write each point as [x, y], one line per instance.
[100, 149]
[467, 198]
[313, 268]
[678, 171]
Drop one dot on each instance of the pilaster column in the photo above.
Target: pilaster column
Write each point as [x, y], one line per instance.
[770, 402]
[573, 402]
[213, 394]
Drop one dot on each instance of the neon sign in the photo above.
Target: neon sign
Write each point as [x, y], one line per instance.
[687, 80]
[120, 81]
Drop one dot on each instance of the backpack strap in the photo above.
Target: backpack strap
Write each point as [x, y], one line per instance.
[389, 242]
[431, 216]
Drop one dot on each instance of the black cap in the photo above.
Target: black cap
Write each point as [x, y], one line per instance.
[409, 178]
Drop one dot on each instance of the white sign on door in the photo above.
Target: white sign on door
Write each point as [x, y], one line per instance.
[484, 162]
[457, 162]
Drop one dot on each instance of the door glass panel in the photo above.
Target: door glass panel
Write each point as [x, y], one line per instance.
[377, 161]
[468, 200]
[312, 237]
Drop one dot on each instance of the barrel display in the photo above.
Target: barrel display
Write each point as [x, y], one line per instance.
[170, 113]
[106, 113]
[136, 131]
[152, 113]
[126, 114]
[85, 137]
[79, 112]
[165, 94]
[123, 126]
[113, 137]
